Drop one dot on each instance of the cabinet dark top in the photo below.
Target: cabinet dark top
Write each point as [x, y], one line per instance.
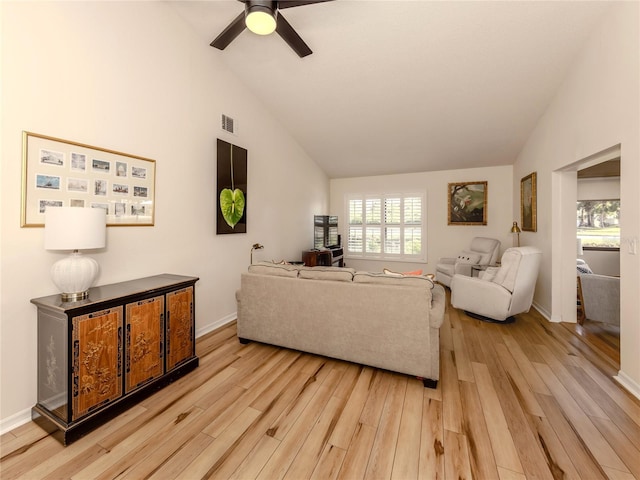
[114, 291]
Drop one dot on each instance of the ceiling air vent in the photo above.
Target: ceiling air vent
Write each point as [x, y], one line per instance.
[228, 124]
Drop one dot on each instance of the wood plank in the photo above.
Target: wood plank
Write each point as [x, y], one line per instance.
[481, 456]
[629, 453]
[78, 455]
[406, 461]
[253, 463]
[613, 411]
[329, 464]
[176, 464]
[504, 449]
[314, 445]
[451, 402]
[463, 364]
[355, 462]
[431, 440]
[290, 445]
[372, 411]
[525, 366]
[629, 404]
[456, 460]
[383, 450]
[201, 465]
[571, 384]
[583, 460]
[596, 443]
[518, 381]
[350, 417]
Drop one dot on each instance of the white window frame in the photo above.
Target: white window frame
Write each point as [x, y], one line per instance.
[382, 255]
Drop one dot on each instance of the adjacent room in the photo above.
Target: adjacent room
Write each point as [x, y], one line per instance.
[377, 239]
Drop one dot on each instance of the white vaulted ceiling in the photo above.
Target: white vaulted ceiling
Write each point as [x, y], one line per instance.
[407, 86]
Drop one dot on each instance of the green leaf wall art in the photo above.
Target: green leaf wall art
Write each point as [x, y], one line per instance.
[232, 205]
[232, 188]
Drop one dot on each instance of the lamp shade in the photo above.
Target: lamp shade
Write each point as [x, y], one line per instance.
[74, 228]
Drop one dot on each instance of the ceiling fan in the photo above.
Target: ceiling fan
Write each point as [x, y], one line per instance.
[263, 17]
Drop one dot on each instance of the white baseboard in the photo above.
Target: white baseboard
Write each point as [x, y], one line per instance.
[14, 421]
[20, 418]
[217, 324]
[542, 311]
[628, 383]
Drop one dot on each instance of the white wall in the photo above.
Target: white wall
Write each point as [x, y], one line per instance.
[442, 240]
[601, 262]
[596, 109]
[132, 77]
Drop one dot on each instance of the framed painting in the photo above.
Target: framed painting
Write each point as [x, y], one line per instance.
[62, 173]
[232, 189]
[467, 203]
[528, 203]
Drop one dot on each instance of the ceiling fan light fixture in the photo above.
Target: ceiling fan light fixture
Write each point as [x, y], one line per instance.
[260, 19]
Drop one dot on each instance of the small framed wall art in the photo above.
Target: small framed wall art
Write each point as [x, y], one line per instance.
[62, 173]
[467, 203]
[528, 203]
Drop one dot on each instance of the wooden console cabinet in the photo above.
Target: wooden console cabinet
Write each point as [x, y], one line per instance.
[99, 356]
[326, 257]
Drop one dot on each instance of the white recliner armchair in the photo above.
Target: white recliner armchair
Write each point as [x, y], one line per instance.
[501, 292]
[482, 251]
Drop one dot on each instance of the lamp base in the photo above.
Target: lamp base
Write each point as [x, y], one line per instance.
[74, 297]
[74, 275]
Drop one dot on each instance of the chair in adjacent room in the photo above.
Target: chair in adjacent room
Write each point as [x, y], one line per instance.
[482, 251]
[501, 292]
[600, 298]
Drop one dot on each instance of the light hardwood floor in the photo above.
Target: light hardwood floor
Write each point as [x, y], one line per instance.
[529, 400]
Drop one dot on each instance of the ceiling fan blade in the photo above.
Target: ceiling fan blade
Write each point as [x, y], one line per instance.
[234, 29]
[289, 35]
[298, 3]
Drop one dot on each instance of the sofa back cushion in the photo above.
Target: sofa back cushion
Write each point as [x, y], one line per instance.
[327, 273]
[384, 279]
[277, 269]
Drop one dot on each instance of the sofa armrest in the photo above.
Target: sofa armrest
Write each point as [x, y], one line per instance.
[436, 313]
[463, 269]
[447, 260]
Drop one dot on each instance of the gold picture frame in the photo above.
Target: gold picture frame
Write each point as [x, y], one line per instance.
[58, 172]
[467, 203]
[528, 203]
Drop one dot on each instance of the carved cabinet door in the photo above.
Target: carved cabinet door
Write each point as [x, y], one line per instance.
[97, 360]
[180, 324]
[144, 335]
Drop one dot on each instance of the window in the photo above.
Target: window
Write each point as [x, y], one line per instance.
[598, 224]
[386, 226]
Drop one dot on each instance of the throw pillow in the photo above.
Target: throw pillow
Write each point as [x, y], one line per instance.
[389, 272]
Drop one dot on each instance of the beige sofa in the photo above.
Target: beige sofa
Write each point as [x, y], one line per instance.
[384, 321]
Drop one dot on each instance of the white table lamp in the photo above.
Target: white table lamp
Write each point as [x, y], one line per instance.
[74, 228]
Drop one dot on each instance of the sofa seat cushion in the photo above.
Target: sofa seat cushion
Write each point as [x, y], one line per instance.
[327, 273]
[384, 279]
[277, 269]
